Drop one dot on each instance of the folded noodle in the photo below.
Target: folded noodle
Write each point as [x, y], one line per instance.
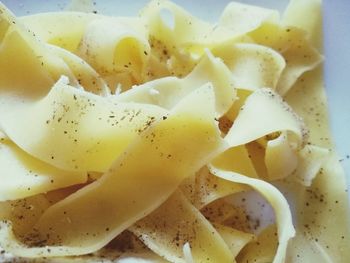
[22, 175]
[95, 129]
[86, 76]
[235, 239]
[175, 222]
[276, 199]
[166, 92]
[62, 29]
[172, 25]
[263, 249]
[307, 16]
[263, 113]
[112, 47]
[293, 45]
[207, 188]
[28, 67]
[280, 149]
[23, 213]
[244, 18]
[166, 138]
[253, 66]
[94, 217]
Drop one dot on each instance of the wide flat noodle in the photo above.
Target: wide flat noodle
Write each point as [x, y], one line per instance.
[235, 239]
[87, 77]
[320, 234]
[323, 207]
[22, 176]
[167, 88]
[219, 211]
[28, 68]
[172, 25]
[175, 223]
[63, 29]
[152, 178]
[263, 249]
[125, 248]
[112, 47]
[207, 188]
[243, 18]
[276, 199]
[306, 15]
[166, 92]
[95, 130]
[263, 113]
[310, 161]
[254, 66]
[180, 39]
[322, 210]
[236, 159]
[231, 115]
[281, 150]
[257, 154]
[23, 213]
[294, 46]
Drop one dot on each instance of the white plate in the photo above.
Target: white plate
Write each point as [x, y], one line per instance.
[336, 36]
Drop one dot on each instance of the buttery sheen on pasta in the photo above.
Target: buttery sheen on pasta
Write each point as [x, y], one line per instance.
[165, 138]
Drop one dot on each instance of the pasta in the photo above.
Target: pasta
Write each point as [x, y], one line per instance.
[166, 138]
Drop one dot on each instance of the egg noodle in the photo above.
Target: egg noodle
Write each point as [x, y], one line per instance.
[165, 138]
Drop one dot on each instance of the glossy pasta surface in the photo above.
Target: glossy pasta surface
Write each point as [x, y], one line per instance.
[166, 138]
